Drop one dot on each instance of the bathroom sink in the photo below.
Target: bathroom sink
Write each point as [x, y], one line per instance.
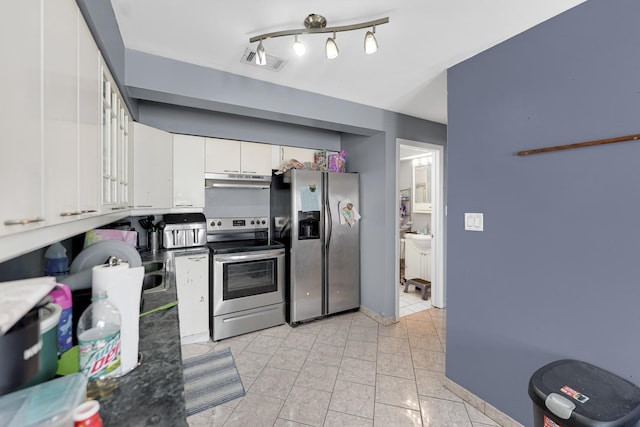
[420, 241]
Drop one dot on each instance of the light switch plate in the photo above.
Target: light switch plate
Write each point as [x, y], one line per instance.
[473, 221]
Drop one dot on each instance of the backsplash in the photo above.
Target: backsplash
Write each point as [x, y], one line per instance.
[236, 202]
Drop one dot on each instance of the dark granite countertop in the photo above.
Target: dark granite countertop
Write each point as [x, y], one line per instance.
[152, 394]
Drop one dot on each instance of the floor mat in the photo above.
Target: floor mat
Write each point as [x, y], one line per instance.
[210, 380]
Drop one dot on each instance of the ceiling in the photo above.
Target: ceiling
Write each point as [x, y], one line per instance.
[407, 75]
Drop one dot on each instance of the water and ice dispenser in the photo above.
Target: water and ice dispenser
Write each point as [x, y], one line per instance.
[308, 225]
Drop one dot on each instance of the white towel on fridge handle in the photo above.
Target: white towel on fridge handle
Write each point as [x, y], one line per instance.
[348, 212]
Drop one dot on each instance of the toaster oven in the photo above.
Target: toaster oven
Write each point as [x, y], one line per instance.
[184, 231]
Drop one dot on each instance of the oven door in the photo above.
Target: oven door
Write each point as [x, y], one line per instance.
[246, 280]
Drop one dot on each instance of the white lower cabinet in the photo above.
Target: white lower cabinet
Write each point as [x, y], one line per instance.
[417, 262]
[192, 284]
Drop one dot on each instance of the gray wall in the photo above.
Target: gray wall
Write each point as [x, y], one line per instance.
[555, 273]
[101, 20]
[195, 121]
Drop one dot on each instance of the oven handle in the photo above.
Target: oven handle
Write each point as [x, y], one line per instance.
[248, 256]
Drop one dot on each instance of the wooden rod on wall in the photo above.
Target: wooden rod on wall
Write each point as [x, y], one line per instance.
[579, 145]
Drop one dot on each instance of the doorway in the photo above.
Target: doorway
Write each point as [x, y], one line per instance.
[420, 231]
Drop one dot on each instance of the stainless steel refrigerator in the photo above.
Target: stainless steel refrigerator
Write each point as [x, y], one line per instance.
[315, 214]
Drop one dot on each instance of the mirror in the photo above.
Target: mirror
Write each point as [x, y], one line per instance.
[422, 185]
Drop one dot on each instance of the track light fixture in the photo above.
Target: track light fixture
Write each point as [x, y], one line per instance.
[317, 24]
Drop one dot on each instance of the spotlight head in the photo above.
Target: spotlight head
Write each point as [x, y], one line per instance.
[298, 48]
[261, 55]
[370, 42]
[331, 48]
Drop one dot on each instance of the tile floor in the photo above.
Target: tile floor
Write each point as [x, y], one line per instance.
[344, 371]
[412, 301]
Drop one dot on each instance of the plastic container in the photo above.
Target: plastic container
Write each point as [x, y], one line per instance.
[56, 262]
[61, 296]
[48, 404]
[99, 339]
[87, 414]
[20, 352]
[570, 393]
[49, 318]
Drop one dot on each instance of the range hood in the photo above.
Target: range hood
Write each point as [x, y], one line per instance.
[236, 180]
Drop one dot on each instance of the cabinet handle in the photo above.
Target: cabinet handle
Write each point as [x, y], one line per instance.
[228, 170]
[201, 299]
[253, 172]
[144, 206]
[23, 221]
[200, 258]
[182, 206]
[86, 211]
[117, 208]
[69, 213]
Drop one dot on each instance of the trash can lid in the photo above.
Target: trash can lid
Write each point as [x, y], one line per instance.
[601, 398]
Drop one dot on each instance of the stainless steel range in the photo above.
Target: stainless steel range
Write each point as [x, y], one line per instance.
[247, 280]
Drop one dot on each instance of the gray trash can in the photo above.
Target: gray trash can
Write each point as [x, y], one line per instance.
[570, 393]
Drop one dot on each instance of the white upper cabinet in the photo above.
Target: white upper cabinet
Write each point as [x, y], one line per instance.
[188, 171]
[153, 168]
[60, 110]
[71, 105]
[115, 144]
[255, 158]
[295, 153]
[223, 156]
[21, 165]
[229, 156]
[89, 110]
[51, 120]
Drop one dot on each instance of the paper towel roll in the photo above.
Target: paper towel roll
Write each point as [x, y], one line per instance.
[124, 288]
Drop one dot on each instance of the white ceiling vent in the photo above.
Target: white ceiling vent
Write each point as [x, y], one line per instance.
[273, 62]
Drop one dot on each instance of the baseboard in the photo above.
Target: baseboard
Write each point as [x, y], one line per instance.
[192, 339]
[384, 321]
[490, 411]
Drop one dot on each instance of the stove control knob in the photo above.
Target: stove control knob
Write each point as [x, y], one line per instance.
[252, 222]
[264, 222]
[219, 223]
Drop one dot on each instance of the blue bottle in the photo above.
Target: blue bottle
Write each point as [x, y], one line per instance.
[56, 262]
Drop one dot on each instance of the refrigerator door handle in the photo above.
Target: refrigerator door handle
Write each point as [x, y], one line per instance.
[329, 223]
